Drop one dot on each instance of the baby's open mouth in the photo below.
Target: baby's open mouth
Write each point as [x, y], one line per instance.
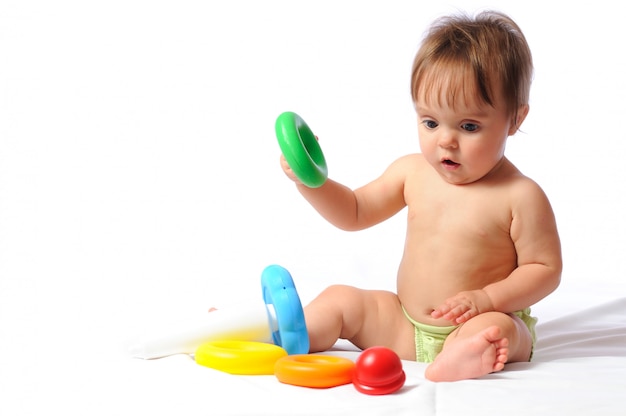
[449, 162]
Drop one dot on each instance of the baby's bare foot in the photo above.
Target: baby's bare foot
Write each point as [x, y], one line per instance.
[484, 353]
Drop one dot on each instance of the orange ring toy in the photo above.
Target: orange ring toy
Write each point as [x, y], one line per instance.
[317, 371]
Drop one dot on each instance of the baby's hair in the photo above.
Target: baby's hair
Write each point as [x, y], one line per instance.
[469, 58]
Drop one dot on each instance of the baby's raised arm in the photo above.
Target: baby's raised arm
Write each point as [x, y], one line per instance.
[358, 209]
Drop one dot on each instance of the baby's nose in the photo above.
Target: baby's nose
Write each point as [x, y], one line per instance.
[447, 140]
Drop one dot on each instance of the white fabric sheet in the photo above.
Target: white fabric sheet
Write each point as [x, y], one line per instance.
[579, 368]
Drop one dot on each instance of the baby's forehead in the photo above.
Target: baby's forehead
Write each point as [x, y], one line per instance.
[453, 89]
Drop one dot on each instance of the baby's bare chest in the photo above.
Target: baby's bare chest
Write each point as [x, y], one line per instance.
[461, 245]
[460, 216]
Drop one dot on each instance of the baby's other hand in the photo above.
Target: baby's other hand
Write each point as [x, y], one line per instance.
[463, 307]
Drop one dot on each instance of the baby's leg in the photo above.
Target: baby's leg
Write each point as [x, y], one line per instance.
[364, 317]
[481, 346]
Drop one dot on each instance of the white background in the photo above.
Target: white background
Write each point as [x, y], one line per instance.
[139, 174]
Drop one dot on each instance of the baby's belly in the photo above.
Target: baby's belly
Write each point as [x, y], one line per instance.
[420, 309]
[422, 289]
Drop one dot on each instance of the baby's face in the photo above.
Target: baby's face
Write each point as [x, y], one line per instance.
[465, 140]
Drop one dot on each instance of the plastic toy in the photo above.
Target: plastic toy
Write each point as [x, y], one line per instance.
[284, 310]
[240, 357]
[378, 371]
[301, 149]
[318, 371]
[279, 320]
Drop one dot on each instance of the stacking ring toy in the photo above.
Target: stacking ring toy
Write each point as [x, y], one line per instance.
[378, 371]
[289, 328]
[318, 371]
[240, 357]
[301, 149]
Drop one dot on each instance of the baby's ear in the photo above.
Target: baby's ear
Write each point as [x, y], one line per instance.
[522, 112]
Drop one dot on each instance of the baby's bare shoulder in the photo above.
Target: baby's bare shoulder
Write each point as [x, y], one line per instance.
[410, 164]
[410, 160]
[514, 183]
[523, 188]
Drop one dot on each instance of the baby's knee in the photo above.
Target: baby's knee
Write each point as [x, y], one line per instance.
[503, 321]
[511, 327]
[340, 293]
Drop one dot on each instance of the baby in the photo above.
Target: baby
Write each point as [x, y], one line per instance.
[481, 243]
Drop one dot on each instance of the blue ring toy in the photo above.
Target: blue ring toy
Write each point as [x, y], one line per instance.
[279, 291]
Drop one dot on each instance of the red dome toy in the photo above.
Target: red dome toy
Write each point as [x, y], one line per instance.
[378, 371]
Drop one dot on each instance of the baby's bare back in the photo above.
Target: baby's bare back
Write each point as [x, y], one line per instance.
[458, 238]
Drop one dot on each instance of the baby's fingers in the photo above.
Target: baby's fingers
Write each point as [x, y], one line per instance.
[463, 317]
[436, 314]
[455, 313]
[287, 169]
[440, 311]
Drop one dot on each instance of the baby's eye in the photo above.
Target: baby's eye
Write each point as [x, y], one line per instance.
[471, 127]
[430, 124]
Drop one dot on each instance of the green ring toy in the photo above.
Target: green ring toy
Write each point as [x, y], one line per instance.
[301, 149]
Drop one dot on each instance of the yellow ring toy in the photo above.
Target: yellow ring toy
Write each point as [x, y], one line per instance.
[240, 357]
[318, 371]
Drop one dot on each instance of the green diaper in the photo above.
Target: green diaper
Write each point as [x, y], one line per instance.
[530, 322]
[429, 339]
